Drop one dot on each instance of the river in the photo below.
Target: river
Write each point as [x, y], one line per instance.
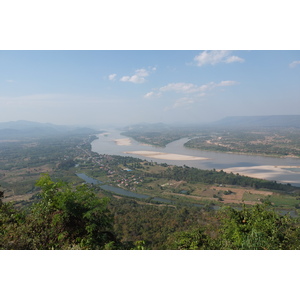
[285, 170]
[120, 191]
[123, 192]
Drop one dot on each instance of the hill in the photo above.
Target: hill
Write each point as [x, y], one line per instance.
[26, 129]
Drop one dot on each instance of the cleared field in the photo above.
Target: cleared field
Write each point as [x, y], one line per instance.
[220, 194]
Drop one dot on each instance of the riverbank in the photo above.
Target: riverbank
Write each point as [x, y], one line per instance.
[166, 156]
[242, 153]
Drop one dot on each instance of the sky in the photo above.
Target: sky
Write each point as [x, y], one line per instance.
[127, 87]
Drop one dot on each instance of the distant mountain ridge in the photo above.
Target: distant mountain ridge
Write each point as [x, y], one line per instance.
[284, 121]
[261, 121]
[27, 129]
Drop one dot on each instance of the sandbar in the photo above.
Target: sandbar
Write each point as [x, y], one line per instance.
[262, 172]
[123, 142]
[166, 156]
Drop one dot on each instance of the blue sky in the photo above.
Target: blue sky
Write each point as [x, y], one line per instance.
[127, 87]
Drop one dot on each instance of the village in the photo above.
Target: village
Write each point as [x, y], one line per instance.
[109, 168]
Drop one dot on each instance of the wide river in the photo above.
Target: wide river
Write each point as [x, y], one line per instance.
[286, 170]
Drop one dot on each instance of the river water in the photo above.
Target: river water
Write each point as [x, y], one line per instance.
[120, 191]
[257, 166]
[123, 192]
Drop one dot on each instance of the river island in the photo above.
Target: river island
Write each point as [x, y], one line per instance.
[166, 156]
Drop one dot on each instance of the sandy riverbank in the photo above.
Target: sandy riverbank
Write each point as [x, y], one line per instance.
[123, 142]
[166, 156]
[262, 172]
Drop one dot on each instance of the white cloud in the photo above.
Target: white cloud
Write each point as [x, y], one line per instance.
[294, 63]
[193, 91]
[215, 57]
[112, 77]
[232, 59]
[133, 79]
[189, 88]
[141, 73]
[179, 87]
[138, 77]
[149, 95]
[227, 83]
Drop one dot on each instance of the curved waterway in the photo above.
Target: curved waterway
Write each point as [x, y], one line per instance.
[285, 170]
[120, 191]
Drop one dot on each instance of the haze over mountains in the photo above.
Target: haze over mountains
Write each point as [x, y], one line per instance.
[240, 122]
[28, 129]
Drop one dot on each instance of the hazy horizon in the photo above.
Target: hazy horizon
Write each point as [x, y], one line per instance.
[222, 122]
[97, 88]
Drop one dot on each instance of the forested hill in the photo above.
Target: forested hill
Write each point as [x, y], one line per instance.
[27, 129]
[261, 121]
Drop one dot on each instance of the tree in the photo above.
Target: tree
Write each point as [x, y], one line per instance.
[253, 228]
[258, 228]
[10, 219]
[64, 218]
[190, 240]
[1, 196]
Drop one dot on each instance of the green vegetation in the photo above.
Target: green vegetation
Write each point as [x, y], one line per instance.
[160, 139]
[59, 212]
[254, 228]
[22, 162]
[269, 142]
[67, 217]
[159, 134]
[193, 175]
[64, 218]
